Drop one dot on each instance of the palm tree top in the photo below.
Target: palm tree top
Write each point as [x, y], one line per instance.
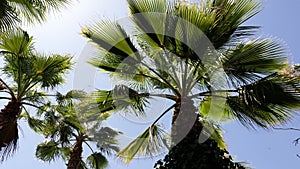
[25, 77]
[225, 64]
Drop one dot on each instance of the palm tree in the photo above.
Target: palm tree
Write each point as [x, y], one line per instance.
[202, 58]
[14, 12]
[65, 134]
[25, 77]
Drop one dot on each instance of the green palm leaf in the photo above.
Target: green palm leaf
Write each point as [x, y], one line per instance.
[145, 14]
[120, 98]
[16, 42]
[8, 16]
[269, 101]
[254, 87]
[50, 70]
[47, 151]
[116, 41]
[247, 62]
[97, 161]
[220, 19]
[151, 142]
[35, 11]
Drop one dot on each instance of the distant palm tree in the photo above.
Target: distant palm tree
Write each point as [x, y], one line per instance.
[167, 58]
[13, 12]
[25, 76]
[65, 134]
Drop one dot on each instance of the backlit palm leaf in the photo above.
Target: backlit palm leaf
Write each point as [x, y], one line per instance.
[14, 12]
[16, 42]
[120, 98]
[97, 161]
[47, 151]
[247, 61]
[66, 130]
[269, 101]
[255, 94]
[8, 16]
[151, 142]
[25, 72]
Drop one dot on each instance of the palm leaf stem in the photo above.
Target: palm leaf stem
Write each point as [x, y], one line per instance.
[291, 128]
[184, 81]
[8, 88]
[165, 112]
[171, 97]
[86, 143]
[7, 98]
[27, 87]
[46, 95]
[153, 78]
[35, 106]
[19, 75]
[163, 79]
[214, 91]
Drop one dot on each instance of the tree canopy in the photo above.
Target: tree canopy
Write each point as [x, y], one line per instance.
[201, 57]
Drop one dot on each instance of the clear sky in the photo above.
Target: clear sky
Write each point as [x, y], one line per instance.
[261, 149]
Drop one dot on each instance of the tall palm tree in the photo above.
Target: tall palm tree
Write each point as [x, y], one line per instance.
[66, 135]
[25, 77]
[222, 72]
[13, 12]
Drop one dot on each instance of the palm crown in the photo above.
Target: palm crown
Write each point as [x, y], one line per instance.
[25, 76]
[168, 57]
[63, 126]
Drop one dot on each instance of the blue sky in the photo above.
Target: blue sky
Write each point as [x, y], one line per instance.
[262, 149]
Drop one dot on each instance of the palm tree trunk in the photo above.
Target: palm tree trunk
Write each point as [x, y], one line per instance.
[184, 120]
[186, 151]
[9, 127]
[75, 158]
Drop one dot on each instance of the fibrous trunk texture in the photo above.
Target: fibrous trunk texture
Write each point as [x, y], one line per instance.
[187, 152]
[9, 127]
[75, 158]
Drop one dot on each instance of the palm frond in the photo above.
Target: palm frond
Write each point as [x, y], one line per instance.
[230, 15]
[47, 151]
[121, 98]
[29, 68]
[35, 97]
[97, 161]
[65, 152]
[36, 11]
[106, 140]
[212, 108]
[112, 37]
[8, 17]
[247, 61]
[145, 14]
[150, 142]
[36, 125]
[212, 131]
[50, 70]
[219, 20]
[269, 101]
[16, 42]
[76, 94]
[218, 137]
[241, 33]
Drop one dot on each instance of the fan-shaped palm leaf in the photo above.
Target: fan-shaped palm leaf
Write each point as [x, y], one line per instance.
[250, 89]
[151, 142]
[25, 72]
[97, 161]
[15, 11]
